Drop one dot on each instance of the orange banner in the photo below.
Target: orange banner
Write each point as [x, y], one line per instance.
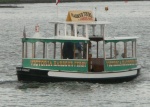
[80, 15]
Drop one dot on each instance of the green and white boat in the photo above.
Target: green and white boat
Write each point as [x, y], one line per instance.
[79, 50]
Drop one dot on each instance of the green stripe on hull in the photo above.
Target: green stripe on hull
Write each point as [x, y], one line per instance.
[66, 65]
[120, 64]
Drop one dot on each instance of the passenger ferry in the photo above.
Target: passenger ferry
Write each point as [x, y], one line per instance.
[78, 50]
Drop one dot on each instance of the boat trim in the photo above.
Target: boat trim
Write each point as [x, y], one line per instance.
[92, 75]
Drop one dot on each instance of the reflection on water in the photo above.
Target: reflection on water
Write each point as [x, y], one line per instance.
[129, 19]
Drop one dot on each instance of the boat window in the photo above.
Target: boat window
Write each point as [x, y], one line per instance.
[67, 51]
[68, 29]
[97, 51]
[81, 31]
[78, 50]
[29, 50]
[50, 50]
[120, 50]
[58, 51]
[61, 30]
[95, 30]
[109, 51]
[114, 50]
[39, 50]
[33, 50]
[131, 51]
[93, 49]
[74, 50]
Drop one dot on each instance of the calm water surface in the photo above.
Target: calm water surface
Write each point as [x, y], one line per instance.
[129, 19]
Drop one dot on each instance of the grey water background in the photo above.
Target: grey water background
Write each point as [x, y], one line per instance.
[128, 19]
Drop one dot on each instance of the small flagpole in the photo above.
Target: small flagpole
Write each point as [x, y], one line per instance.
[95, 14]
[57, 8]
[106, 9]
[24, 50]
[57, 12]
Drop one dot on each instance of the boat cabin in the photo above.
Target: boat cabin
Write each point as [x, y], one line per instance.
[79, 45]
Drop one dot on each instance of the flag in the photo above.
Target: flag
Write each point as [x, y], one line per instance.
[24, 32]
[126, 1]
[57, 1]
[37, 28]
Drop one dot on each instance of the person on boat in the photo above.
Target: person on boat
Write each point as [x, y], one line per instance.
[85, 50]
[118, 56]
[78, 49]
[123, 55]
[68, 50]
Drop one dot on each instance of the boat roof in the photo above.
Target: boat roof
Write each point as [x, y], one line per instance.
[121, 38]
[117, 39]
[82, 22]
[77, 39]
[56, 39]
[68, 38]
[95, 38]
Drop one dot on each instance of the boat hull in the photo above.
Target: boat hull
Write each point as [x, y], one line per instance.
[26, 74]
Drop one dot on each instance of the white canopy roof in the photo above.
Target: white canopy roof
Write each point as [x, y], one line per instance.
[63, 38]
[82, 23]
[120, 38]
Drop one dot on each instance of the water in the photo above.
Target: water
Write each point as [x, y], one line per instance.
[129, 19]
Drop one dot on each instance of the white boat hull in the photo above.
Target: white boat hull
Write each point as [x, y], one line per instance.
[95, 75]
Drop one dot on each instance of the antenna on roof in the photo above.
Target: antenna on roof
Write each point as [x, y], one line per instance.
[95, 14]
[24, 32]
